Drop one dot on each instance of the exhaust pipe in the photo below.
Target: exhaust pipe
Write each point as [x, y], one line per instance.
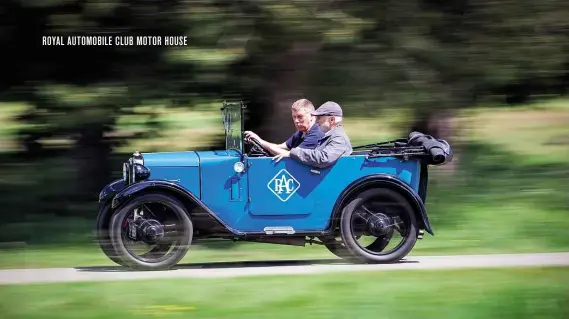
[421, 233]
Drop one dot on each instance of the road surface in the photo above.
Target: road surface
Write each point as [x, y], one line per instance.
[238, 269]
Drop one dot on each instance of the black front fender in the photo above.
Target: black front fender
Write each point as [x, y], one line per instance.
[104, 214]
[111, 190]
[388, 181]
[130, 191]
[133, 189]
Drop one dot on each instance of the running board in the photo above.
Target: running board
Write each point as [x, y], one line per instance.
[292, 241]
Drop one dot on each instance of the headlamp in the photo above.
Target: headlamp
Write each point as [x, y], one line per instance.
[134, 170]
[126, 172]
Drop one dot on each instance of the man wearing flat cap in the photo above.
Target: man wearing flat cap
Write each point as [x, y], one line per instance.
[332, 146]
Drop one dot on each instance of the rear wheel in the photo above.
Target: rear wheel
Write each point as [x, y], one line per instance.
[373, 221]
[151, 232]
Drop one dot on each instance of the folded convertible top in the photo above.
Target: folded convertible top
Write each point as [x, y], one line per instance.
[432, 151]
[439, 150]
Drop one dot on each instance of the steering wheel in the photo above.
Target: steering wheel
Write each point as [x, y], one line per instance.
[256, 148]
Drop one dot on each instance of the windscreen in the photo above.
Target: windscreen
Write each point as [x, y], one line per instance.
[232, 121]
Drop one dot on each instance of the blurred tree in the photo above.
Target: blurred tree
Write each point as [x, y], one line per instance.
[430, 56]
[281, 55]
[446, 54]
[78, 92]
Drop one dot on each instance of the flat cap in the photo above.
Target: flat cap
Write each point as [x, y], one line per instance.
[328, 108]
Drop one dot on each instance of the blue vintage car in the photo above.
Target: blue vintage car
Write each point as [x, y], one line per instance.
[356, 208]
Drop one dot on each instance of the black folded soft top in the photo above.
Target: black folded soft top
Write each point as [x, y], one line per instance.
[418, 145]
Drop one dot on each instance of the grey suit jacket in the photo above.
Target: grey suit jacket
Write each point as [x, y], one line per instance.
[329, 149]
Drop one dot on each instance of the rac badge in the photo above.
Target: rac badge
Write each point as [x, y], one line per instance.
[283, 185]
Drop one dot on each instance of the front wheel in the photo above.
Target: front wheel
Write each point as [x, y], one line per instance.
[373, 220]
[103, 237]
[157, 225]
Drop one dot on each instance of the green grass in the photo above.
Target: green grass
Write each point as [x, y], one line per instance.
[537, 134]
[494, 204]
[8, 126]
[484, 293]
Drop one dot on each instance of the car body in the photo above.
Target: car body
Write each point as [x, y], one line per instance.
[240, 194]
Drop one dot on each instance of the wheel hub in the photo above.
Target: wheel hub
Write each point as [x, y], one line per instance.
[151, 231]
[379, 224]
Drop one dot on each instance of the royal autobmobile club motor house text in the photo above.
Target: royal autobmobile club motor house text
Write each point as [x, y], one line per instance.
[115, 40]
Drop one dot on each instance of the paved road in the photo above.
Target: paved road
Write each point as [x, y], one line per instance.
[238, 269]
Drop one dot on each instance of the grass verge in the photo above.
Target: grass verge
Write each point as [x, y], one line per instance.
[485, 293]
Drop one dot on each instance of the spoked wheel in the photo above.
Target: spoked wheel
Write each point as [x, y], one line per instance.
[379, 226]
[151, 232]
[103, 236]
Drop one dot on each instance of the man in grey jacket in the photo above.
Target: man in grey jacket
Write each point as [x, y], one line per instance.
[332, 146]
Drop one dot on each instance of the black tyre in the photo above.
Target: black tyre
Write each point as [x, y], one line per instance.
[103, 237]
[167, 216]
[381, 213]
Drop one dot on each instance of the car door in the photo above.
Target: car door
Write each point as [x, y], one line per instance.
[283, 188]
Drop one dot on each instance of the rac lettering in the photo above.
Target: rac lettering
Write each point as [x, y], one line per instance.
[283, 185]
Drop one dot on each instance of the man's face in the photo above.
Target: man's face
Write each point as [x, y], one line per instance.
[302, 119]
[325, 122]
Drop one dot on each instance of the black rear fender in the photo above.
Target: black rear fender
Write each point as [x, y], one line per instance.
[383, 181]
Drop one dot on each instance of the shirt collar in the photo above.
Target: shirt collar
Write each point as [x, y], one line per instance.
[337, 127]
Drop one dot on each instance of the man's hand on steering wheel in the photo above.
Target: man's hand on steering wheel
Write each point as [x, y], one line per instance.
[253, 138]
[256, 143]
[251, 135]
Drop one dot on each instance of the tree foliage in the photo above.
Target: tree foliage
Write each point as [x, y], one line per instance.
[428, 56]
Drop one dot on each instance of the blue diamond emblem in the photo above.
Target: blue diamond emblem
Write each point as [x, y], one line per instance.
[283, 185]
